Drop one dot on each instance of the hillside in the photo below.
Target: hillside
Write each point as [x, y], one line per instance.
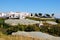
[16, 37]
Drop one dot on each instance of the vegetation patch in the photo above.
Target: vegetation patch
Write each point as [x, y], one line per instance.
[46, 28]
[41, 19]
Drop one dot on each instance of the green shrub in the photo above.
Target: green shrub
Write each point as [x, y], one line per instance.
[32, 28]
[57, 20]
[53, 30]
[11, 29]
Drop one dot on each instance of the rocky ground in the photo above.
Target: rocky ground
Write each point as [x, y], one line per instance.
[38, 35]
[28, 36]
[20, 21]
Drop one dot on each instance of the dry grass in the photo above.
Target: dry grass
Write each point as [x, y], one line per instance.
[15, 37]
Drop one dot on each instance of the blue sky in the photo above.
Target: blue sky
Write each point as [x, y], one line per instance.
[43, 6]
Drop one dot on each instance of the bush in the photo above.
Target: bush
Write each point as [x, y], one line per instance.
[21, 27]
[29, 28]
[11, 29]
[1, 21]
[39, 19]
[57, 20]
[53, 30]
[32, 28]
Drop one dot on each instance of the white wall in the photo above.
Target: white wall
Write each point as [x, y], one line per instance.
[21, 14]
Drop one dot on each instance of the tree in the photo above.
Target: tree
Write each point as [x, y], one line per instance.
[47, 15]
[36, 14]
[31, 14]
[40, 14]
[57, 20]
[52, 15]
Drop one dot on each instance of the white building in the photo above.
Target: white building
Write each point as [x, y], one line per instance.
[19, 15]
[3, 15]
[23, 15]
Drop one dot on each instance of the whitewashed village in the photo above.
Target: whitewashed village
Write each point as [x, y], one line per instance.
[18, 15]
